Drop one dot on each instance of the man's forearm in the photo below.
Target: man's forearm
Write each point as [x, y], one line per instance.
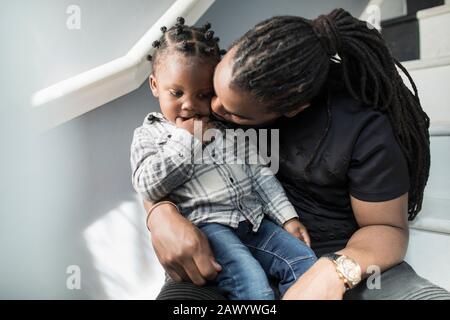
[167, 208]
[380, 245]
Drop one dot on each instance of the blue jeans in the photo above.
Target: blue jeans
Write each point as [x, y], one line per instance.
[249, 258]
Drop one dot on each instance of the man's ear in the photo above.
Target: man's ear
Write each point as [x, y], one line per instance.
[153, 85]
[293, 113]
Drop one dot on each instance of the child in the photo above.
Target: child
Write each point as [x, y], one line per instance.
[252, 227]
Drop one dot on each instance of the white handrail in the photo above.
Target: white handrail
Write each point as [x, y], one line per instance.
[86, 91]
[365, 15]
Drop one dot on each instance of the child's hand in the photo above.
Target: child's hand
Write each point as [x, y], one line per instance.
[298, 230]
[188, 124]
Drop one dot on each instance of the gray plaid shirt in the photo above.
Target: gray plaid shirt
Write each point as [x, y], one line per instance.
[163, 165]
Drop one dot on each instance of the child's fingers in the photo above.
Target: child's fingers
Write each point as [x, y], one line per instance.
[305, 237]
[294, 232]
[297, 234]
[178, 122]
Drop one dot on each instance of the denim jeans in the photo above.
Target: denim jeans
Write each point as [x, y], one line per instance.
[248, 258]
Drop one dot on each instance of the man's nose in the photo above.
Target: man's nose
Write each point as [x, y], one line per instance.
[216, 105]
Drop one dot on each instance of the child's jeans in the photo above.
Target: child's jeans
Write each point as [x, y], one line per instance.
[249, 258]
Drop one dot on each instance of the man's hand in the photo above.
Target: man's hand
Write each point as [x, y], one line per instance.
[320, 282]
[298, 230]
[182, 249]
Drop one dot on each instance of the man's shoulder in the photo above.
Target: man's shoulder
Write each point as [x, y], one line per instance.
[344, 105]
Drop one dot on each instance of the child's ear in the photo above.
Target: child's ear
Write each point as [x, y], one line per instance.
[293, 113]
[153, 85]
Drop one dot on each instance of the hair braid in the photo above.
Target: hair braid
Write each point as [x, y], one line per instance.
[285, 61]
[187, 40]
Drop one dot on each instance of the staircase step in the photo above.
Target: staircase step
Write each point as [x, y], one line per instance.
[434, 88]
[429, 240]
[415, 5]
[402, 36]
[434, 217]
[434, 26]
[440, 128]
[438, 185]
[428, 255]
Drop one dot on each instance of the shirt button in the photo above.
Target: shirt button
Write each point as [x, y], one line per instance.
[169, 136]
[231, 179]
[181, 155]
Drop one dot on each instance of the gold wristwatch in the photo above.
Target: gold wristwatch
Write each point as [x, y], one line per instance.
[347, 269]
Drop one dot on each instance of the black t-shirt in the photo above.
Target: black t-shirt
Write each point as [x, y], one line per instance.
[359, 156]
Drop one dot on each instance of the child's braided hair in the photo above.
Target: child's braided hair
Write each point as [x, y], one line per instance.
[188, 40]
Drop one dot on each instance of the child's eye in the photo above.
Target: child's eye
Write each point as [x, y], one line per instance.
[205, 95]
[176, 93]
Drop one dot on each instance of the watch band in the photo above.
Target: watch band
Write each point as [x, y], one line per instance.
[331, 256]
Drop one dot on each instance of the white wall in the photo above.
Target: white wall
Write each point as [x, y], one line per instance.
[108, 29]
[55, 186]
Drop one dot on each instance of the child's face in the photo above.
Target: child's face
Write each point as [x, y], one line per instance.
[183, 86]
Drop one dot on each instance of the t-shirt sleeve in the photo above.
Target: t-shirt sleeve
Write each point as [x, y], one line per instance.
[378, 169]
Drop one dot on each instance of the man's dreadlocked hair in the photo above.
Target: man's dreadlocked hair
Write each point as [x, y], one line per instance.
[285, 62]
[188, 40]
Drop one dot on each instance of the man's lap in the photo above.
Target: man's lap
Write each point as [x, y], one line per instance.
[398, 283]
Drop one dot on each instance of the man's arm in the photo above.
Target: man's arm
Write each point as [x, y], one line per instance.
[383, 237]
[382, 240]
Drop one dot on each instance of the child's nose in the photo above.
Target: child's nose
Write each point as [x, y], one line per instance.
[187, 106]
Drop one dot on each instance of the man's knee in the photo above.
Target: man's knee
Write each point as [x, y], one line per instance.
[188, 291]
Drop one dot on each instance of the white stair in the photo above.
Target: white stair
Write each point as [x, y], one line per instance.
[428, 253]
[439, 181]
[434, 24]
[429, 244]
[432, 78]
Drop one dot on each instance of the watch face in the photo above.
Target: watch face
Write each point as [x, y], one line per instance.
[350, 269]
